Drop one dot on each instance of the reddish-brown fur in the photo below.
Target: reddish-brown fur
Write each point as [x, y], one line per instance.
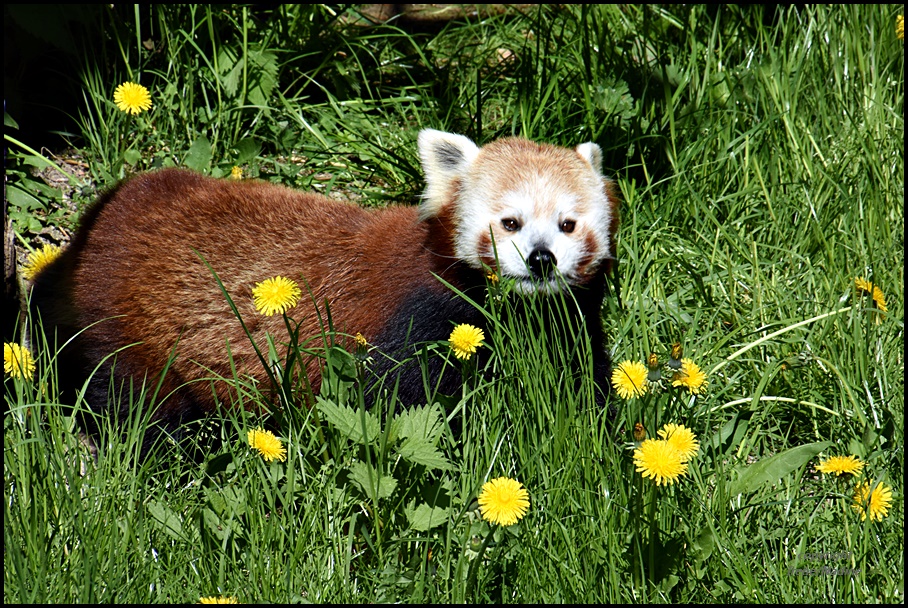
[135, 257]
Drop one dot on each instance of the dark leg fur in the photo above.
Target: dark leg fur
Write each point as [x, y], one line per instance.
[429, 315]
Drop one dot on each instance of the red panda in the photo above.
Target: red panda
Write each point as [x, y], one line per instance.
[131, 288]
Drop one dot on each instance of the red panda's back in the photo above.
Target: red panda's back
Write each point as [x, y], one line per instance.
[138, 276]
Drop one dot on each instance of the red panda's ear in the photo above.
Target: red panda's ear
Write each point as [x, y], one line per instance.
[445, 158]
[592, 154]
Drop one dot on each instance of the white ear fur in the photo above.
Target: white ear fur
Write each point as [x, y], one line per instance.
[592, 154]
[445, 157]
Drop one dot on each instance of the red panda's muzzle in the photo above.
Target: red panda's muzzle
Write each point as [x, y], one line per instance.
[542, 263]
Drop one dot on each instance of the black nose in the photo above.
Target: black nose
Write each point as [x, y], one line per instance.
[542, 262]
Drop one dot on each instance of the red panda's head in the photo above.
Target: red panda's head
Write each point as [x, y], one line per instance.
[540, 207]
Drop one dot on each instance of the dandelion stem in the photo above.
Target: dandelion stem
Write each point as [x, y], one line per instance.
[474, 567]
[653, 530]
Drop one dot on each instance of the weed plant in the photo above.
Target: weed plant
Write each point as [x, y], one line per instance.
[760, 154]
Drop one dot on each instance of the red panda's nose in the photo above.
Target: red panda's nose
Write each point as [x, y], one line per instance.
[542, 262]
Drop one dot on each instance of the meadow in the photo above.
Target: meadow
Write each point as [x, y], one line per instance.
[758, 303]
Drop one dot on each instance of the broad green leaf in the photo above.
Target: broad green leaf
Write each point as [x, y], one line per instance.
[167, 521]
[39, 189]
[421, 422]
[132, 156]
[339, 376]
[199, 155]
[772, 469]
[856, 448]
[21, 199]
[26, 221]
[230, 70]
[356, 425]
[420, 428]
[262, 78]
[424, 517]
[247, 149]
[374, 485]
[222, 526]
[341, 362]
[231, 81]
[421, 451]
[226, 501]
[218, 464]
[703, 545]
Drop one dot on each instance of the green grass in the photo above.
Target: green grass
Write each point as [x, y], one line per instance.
[761, 160]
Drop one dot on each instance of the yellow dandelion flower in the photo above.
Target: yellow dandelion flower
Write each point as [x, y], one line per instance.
[217, 600]
[40, 259]
[236, 173]
[492, 277]
[838, 465]
[465, 339]
[690, 377]
[875, 503]
[277, 295]
[629, 379]
[17, 361]
[132, 98]
[360, 340]
[900, 27]
[879, 299]
[682, 439]
[503, 501]
[269, 446]
[660, 460]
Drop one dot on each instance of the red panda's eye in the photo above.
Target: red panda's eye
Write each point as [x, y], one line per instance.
[510, 224]
[568, 226]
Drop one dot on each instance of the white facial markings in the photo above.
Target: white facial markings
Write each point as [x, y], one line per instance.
[538, 208]
[520, 202]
